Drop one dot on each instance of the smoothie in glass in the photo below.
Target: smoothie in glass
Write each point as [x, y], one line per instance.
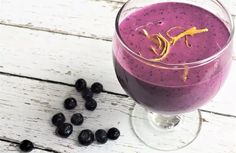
[176, 90]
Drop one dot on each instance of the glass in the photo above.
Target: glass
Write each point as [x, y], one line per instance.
[166, 116]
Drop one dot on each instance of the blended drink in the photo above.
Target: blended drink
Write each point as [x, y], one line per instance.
[162, 39]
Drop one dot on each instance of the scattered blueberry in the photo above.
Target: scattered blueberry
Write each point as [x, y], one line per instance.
[87, 93]
[113, 133]
[90, 104]
[64, 130]
[97, 87]
[77, 119]
[86, 137]
[101, 136]
[26, 146]
[58, 119]
[70, 103]
[80, 84]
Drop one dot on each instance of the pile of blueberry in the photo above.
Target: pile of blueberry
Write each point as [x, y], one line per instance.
[86, 137]
[64, 130]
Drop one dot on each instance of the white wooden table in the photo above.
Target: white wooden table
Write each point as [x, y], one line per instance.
[46, 45]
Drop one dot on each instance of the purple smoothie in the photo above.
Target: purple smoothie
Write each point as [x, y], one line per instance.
[157, 87]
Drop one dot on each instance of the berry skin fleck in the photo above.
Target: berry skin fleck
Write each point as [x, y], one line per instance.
[58, 119]
[101, 136]
[97, 87]
[113, 133]
[77, 119]
[87, 93]
[80, 84]
[64, 130]
[86, 137]
[90, 104]
[26, 146]
[70, 103]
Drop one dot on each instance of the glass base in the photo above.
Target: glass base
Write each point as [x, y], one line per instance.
[164, 132]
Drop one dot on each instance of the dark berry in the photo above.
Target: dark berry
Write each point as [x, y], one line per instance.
[26, 146]
[90, 104]
[101, 136]
[77, 119]
[58, 119]
[80, 84]
[64, 130]
[87, 93]
[70, 103]
[113, 133]
[97, 87]
[86, 137]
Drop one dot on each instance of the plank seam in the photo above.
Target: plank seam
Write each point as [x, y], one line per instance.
[57, 82]
[119, 2]
[108, 92]
[31, 27]
[36, 147]
[217, 113]
[42, 29]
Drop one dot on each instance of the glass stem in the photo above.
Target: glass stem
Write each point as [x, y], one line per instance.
[163, 122]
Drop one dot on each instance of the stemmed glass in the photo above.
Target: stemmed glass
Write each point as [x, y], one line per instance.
[166, 116]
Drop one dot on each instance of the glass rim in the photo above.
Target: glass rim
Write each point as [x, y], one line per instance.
[178, 65]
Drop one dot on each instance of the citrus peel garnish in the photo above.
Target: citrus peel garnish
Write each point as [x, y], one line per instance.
[154, 50]
[165, 50]
[189, 32]
[185, 75]
[162, 43]
[186, 42]
[168, 31]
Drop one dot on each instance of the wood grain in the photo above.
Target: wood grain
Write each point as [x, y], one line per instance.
[56, 42]
[66, 58]
[56, 57]
[26, 108]
[89, 18]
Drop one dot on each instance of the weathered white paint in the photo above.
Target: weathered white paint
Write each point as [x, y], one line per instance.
[78, 17]
[56, 57]
[65, 58]
[26, 108]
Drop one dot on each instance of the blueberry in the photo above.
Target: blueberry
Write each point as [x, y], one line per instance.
[113, 133]
[90, 104]
[58, 119]
[77, 119]
[70, 103]
[26, 146]
[64, 130]
[87, 93]
[86, 137]
[97, 87]
[80, 84]
[101, 136]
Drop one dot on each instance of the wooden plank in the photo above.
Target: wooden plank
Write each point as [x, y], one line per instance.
[66, 58]
[56, 57]
[78, 17]
[26, 108]
[6, 147]
[69, 17]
